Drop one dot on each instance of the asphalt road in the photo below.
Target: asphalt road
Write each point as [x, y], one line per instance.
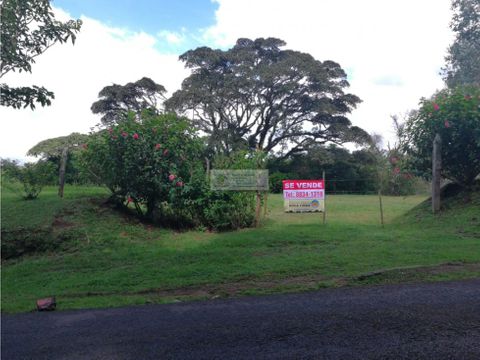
[420, 321]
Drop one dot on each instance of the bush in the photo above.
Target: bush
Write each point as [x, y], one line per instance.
[155, 166]
[29, 179]
[454, 114]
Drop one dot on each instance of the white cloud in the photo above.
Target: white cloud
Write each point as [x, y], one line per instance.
[380, 42]
[393, 49]
[101, 56]
[172, 37]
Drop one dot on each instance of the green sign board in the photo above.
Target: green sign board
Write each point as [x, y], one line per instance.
[239, 180]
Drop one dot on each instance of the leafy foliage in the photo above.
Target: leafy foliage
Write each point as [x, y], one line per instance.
[28, 179]
[117, 100]
[28, 29]
[257, 95]
[155, 165]
[463, 59]
[148, 163]
[454, 114]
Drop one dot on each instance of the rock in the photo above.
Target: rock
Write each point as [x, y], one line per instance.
[47, 304]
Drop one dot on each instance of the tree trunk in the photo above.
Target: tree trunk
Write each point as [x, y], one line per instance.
[61, 177]
[436, 170]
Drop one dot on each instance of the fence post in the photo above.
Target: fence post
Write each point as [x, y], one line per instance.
[61, 176]
[381, 206]
[324, 198]
[436, 170]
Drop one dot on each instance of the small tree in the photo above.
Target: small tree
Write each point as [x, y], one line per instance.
[59, 147]
[28, 179]
[454, 114]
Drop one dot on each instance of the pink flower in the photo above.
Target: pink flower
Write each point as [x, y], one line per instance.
[393, 160]
[110, 130]
[436, 107]
[396, 171]
[165, 152]
[467, 97]
[124, 134]
[447, 124]
[171, 177]
[158, 146]
[135, 136]
[85, 146]
[114, 137]
[179, 183]
[129, 200]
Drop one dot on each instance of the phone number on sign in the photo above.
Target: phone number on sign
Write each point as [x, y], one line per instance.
[302, 194]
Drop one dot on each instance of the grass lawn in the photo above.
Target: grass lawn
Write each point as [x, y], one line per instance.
[116, 261]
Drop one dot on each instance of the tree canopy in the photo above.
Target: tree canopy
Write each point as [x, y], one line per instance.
[55, 146]
[463, 59]
[259, 96]
[28, 28]
[117, 100]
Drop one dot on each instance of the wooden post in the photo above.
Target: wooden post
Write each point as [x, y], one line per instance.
[436, 170]
[265, 205]
[61, 176]
[381, 207]
[324, 199]
[257, 210]
[208, 170]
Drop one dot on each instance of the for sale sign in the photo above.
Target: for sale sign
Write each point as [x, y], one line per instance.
[303, 195]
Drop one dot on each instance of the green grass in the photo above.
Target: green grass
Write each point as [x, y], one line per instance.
[120, 261]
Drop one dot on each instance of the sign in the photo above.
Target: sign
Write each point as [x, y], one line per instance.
[239, 180]
[303, 195]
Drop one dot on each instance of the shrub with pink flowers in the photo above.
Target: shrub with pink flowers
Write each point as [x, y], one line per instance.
[454, 114]
[128, 158]
[156, 168]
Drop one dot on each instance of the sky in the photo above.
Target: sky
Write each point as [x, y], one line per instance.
[392, 51]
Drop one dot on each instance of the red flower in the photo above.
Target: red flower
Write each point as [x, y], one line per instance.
[447, 124]
[85, 146]
[135, 136]
[124, 134]
[171, 177]
[179, 183]
[467, 97]
[158, 146]
[110, 130]
[165, 152]
[396, 171]
[129, 200]
[436, 107]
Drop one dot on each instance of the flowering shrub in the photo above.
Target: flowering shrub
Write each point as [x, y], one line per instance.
[454, 114]
[148, 164]
[156, 167]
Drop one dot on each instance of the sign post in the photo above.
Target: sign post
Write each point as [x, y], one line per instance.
[324, 201]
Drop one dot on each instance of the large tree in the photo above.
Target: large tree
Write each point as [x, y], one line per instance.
[258, 95]
[28, 28]
[463, 59]
[117, 100]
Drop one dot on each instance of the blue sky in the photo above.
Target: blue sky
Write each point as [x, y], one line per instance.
[185, 18]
